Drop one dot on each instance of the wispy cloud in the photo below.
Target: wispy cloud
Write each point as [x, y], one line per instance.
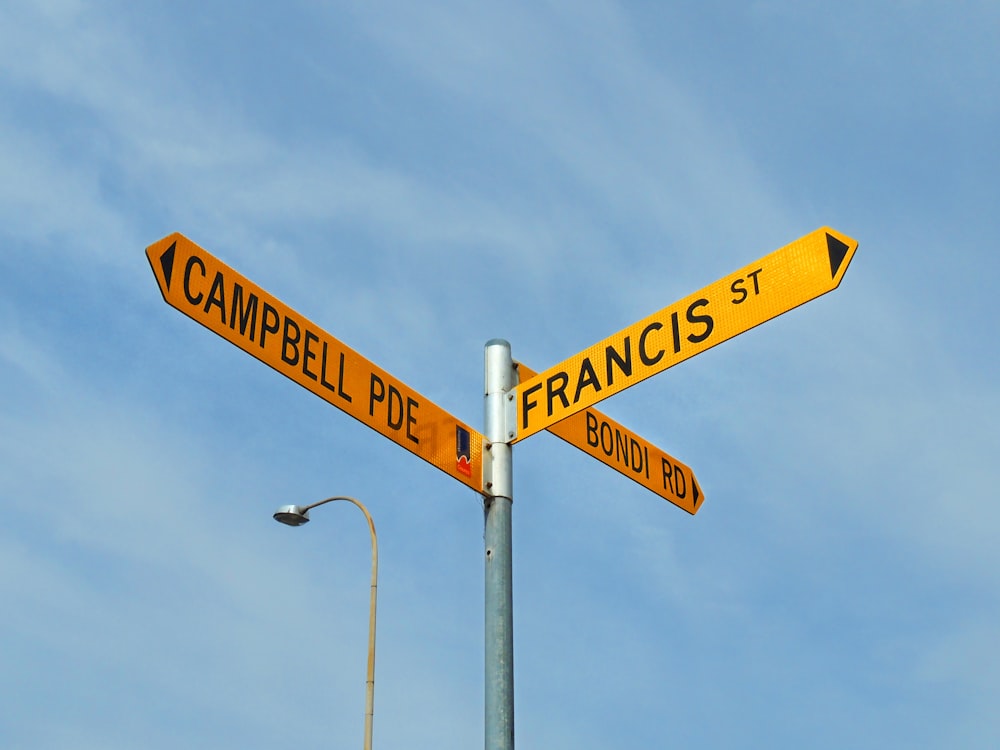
[418, 179]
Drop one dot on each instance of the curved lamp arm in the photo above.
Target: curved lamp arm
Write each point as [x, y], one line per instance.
[294, 515]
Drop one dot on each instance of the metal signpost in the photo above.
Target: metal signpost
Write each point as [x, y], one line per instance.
[518, 401]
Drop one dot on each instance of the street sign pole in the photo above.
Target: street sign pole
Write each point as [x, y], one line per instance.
[558, 399]
[497, 498]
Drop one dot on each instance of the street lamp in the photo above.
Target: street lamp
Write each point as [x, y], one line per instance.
[295, 515]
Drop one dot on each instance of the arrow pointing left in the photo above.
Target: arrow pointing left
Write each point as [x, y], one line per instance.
[227, 303]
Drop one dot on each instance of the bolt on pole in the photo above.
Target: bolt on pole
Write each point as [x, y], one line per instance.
[498, 498]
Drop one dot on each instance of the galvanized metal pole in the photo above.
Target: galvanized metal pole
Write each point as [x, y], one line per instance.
[498, 497]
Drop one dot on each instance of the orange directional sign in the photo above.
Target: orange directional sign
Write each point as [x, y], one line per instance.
[781, 281]
[210, 292]
[609, 442]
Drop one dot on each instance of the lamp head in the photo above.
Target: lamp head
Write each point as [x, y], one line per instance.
[291, 515]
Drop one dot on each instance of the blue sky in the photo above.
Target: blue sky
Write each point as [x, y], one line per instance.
[419, 178]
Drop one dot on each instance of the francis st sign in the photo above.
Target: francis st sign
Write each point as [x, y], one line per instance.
[791, 276]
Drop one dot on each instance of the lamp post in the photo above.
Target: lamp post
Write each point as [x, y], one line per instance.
[295, 515]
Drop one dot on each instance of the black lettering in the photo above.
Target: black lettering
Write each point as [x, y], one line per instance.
[673, 478]
[290, 341]
[340, 379]
[644, 356]
[217, 296]
[373, 397]
[247, 316]
[265, 328]
[308, 354]
[608, 446]
[705, 320]
[680, 482]
[737, 288]
[411, 419]
[563, 380]
[192, 261]
[339, 389]
[621, 448]
[676, 327]
[625, 365]
[587, 378]
[591, 430]
[668, 475]
[395, 399]
[636, 456]
[322, 369]
[527, 405]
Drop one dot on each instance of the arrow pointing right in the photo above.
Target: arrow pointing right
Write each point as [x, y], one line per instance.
[616, 446]
[790, 276]
[838, 251]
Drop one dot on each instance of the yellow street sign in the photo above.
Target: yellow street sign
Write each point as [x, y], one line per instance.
[777, 283]
[210, 292]
[606, 440]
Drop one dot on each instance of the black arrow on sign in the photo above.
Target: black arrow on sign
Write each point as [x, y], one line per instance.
[838, 251]
[167, 263]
